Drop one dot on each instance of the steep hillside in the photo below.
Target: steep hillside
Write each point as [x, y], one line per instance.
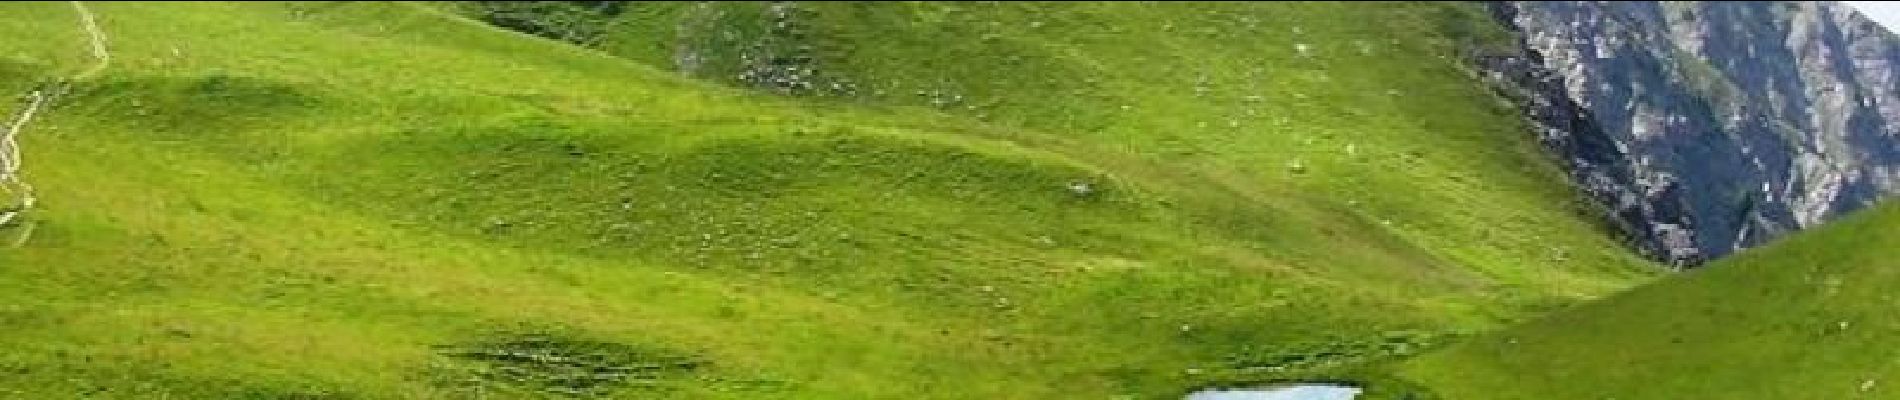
[387, 200]
[1299, 100]
[1808, 317]
[1723, 124]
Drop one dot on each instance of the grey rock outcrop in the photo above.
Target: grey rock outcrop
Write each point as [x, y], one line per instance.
[1707, 127]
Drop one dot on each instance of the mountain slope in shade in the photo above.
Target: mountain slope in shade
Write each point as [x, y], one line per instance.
[1728, 123]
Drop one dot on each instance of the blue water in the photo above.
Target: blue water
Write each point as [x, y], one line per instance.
[1290, 392]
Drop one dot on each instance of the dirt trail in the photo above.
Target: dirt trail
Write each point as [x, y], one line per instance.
[10, 181]
[11, 162]
[95, 37]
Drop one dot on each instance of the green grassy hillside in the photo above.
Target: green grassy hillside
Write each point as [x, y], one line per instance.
[1309, 105]
[377, 200]
[1808, 317]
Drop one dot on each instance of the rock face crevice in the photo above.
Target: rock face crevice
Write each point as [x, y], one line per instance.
[1648, 212]
[1708, 127]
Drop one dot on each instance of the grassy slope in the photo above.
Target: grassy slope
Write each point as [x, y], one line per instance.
[1372, 110]
[1808, 317]
[267, 200]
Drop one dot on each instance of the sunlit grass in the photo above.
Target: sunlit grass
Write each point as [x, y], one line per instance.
[268, 200]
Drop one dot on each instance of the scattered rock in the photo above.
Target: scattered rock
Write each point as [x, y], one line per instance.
[178, 332]
[1081, 188]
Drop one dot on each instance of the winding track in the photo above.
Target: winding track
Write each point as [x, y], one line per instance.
[10, 159]
[97, 38]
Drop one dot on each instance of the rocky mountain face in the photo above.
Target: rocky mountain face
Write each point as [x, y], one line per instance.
[1707, 127]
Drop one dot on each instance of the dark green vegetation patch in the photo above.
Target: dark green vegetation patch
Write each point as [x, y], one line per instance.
[542, 363]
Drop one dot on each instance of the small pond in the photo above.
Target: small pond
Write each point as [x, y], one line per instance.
[1316, 391]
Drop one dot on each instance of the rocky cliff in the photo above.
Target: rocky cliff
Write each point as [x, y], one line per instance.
[1708, 127]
